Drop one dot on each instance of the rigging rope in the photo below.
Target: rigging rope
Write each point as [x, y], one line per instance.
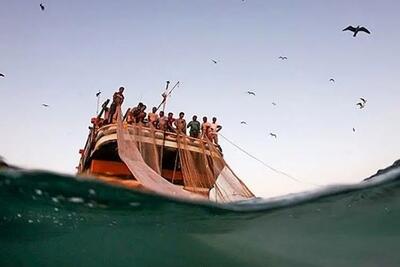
[265, 164]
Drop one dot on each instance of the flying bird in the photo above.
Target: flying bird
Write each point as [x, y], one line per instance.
[354, 130]
[214, 61]
[2, 75]
[361, 105]
[332, 80]
[273, 135]
[42, 7]
[356, 30]
[243, 122]
[282, 58]
[251, 93]
[273, 103]
[98, 93]
[45, 105]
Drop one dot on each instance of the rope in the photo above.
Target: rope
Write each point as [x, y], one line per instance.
[267, 165]
[176, 160]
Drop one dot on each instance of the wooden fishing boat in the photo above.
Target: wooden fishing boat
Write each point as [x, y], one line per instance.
[140, 157]
[100, 158]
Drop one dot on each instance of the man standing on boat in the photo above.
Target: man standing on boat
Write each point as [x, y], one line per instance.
[142, 114]
[180, 124]
[118, 99]
[214, 129]
[170, 122]
[152, 117]
[162, 121]
[194, 126]
[205, 128]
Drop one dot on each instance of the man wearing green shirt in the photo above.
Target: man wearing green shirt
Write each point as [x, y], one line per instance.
[194, 126]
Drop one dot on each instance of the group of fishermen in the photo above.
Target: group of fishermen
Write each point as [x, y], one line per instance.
[162, 122]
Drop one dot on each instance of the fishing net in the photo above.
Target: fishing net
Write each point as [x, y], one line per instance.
[128, 151]
[195, 164]
[151, 155]
[146, 144]
[207, 170]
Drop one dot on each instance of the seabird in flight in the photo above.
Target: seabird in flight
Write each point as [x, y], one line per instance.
[361, 105]
[251, 93]
[356, 30]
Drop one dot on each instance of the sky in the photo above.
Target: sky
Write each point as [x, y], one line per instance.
[64, 55]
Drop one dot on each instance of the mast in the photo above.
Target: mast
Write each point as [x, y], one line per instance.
[166, 94]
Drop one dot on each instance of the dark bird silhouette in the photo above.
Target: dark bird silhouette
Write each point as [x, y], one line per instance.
[282, 58]
[251, 93]
[354, 130]
[332, 80]
[273, 103]
[98, 93]
[2, 75]
[243, 122]
[273, 135]
[45, 105]
[361, 105]
[214, 61]
[42, 7]
[356, 30]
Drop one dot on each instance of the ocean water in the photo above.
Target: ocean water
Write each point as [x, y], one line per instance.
[48, 219]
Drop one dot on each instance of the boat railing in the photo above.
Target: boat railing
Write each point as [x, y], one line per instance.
[147, 132]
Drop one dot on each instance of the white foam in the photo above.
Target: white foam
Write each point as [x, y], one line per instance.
[76, 200]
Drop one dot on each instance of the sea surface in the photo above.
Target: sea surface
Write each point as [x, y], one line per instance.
[49, 219]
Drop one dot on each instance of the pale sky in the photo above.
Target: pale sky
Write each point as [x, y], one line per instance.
[64, 55]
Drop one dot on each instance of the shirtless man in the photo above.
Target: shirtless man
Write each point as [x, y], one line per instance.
[194, 126]
[170, 122]
[135, 112]
[214, 129]
[205, 128]
[118, 99]
[180, 124]
[142, 114]
[162, 122]
[152, 117]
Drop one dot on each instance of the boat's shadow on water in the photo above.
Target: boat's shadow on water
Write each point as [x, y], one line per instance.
[47, 219]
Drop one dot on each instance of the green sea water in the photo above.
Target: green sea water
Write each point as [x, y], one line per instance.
[54, 220]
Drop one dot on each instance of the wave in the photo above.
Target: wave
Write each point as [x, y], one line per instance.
[48, 219]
